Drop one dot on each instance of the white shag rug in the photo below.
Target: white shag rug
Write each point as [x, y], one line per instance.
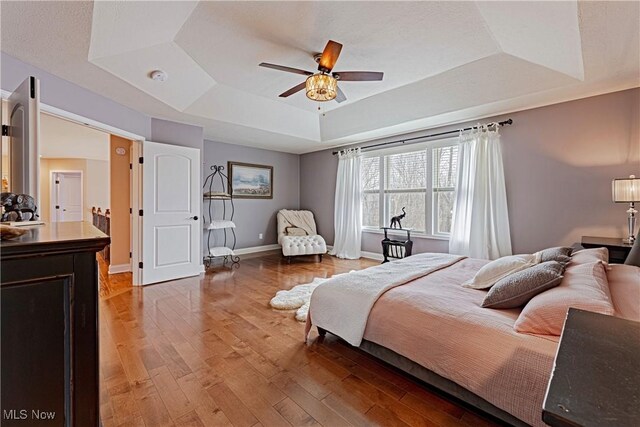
[298, 298]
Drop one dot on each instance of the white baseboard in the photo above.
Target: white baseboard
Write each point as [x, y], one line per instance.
[265, 248]
[119, 268]
[364, 254]
[255, 249]
[372, 255]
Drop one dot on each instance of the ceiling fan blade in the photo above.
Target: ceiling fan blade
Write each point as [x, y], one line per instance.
[340, 96]
[285, 68]
[329, 56]
[358, 76]
[293, 90]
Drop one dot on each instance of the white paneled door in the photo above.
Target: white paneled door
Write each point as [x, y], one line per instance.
[67, 196]
[171, 203]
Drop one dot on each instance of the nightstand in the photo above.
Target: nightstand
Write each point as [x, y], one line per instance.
[618, 250]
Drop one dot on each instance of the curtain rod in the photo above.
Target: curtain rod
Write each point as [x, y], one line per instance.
[449, 132]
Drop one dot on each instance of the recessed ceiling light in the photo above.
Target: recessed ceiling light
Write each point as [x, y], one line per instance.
[159, 75]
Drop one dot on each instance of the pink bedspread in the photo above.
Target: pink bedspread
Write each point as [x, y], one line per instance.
[439, 324]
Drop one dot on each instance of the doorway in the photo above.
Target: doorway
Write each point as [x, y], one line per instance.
[85, 176]
[66, 196]
[187, 215]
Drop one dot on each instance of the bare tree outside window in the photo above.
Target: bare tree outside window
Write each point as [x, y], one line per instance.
[405, 186]
[445, 170]
[370, 178]
[421, 181]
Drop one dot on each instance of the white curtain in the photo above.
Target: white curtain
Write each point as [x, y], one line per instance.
[480, 226]
[348, 210]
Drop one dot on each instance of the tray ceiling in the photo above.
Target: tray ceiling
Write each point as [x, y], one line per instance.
[443, 61]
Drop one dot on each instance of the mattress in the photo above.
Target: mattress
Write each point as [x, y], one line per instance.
[440, 325]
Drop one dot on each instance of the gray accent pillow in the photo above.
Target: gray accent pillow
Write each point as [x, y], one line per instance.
[561, 254]
[518, 288]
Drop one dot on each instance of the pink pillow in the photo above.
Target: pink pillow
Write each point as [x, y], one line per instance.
[624, 286]
[584, 286]
[586, 256]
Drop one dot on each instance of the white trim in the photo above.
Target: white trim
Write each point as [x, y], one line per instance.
[255, 249]
[413, 234]
[364, 254]
[136, 219]
[119, 268]
[372, 255]
[76, 118]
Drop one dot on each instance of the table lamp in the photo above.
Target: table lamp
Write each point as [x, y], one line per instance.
[627, 190]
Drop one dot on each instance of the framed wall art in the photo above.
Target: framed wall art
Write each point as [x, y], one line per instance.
[249, 181]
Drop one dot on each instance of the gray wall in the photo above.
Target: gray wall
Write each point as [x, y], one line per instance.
[559, 161]
[175, 133]
[255, 216]
[70, 97]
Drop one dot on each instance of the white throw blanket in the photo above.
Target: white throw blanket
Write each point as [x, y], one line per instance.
[342, 304]
[300, 219]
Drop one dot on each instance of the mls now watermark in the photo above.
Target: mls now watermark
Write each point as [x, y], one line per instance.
[25, 414]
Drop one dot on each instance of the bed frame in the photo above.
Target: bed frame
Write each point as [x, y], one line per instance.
[448, 387]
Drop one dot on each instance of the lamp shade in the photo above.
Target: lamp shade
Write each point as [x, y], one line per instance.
[321, 87]
[626, 190]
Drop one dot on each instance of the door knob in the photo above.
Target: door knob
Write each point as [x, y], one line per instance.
[195, 218]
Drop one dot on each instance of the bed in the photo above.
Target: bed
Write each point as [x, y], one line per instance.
[436, 330]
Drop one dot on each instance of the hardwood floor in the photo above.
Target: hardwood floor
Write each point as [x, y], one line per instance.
[114, 284]
[210, 352]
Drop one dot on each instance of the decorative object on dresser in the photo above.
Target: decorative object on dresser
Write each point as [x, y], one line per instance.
[18, 207]
[298, 235]
[618, 248]
[396, 248]
[49, 322]
[249, 181]
[627, 190]
[224, 222]
[595, 377]
[396, 220]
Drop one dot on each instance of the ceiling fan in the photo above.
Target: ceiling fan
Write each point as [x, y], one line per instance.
[323, 86]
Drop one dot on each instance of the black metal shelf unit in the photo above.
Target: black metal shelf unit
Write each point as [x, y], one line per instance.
[225, 225]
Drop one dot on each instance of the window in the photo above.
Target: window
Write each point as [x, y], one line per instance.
[422, 181]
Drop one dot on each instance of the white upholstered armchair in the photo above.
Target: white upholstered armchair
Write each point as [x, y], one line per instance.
[297, 234]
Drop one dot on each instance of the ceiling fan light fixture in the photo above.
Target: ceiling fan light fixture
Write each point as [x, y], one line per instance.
[321, 87]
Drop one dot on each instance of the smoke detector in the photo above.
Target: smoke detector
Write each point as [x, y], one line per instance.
[158, 75]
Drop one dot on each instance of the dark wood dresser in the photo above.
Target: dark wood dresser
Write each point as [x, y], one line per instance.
[596, 375]
[49, 315]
